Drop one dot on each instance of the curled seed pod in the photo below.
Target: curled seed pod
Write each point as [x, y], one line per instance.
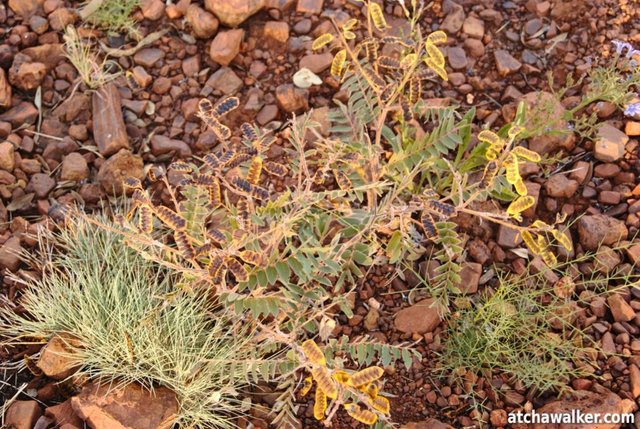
[170, 218]
[366, 375]
[322, 41]
[132, 183]
[275, 168]
[512, 169]
[415, 90]
[216, 268]
[549, 258]
[131, 80]
[530, 242]
[250, 257]
[306, 386]
[435, 54]
[342, 180]
[438, 69]
[155, 173]
[216, 236]
[370, 389]
[255, 170]
[363, 416]
[377, 16]
[443, 209]
[215, 195]
[337, 65]
[184, 244]
[490, 171]
[237, 269]
[205, 106]
[437, 37]
[350, 24]
[325, 382]
[520, 205]
[524, 153]
[407, 112]
[139, 198]
[564, 239]
[428, 225]
[180, 166]
[313, 353]
[221, 131]
[381, 404]
[388, 63]
[145, 219]
[521, 188]
[238, 159]
[225, 106]
[514, 131]
[341, 377]
[320, 404]
[248, 132]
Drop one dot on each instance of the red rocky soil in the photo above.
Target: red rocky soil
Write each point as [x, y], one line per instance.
[498, 52]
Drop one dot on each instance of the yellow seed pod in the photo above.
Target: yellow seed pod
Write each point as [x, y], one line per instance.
[408, 61]
[549, 258]
[437, 37]
[350, 24]
[563, 239]
[377, 16]
[381, 404]
[524, 153]
[439, 70]
[349, 35]
[306, 387]
[367, 375]
[337, 64]
[322, 41]
[520, 205]
[514, 131]
[494, 141]
[435, 54]
[521, 188]
[542, 242]
[341, 377]
[255, 170]
[322, 376]
[363, 416]
[370, 389]
[313, 353]
[513, 171]
[320, 405]
[530, 242]
[539, 224]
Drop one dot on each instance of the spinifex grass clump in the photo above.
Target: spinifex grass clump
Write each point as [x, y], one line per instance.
[132, 326]
[93, 71]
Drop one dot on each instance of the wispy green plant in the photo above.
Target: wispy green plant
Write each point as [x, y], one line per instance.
[134, 327]
[114, 16]
[93, 71]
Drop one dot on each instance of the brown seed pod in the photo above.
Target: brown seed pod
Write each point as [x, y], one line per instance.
[322, 376]
[238, 159]
[139, 198]
[366, 376]
[255, 170]
[407, 112]
[225, 106]
[342, 180]
[248, 133]
[237, 269]
[132, 183]
[170, 218]
[428, 225]
[206, 180]
[274, 168]
[132, 83]
[215, 195]
[180, 166]
[443, 209]
[313, 353]
[216, 268]
[184, 244]
[145, 219]
[388, 63]
[221, 131]
[216, 236]
[250, 257]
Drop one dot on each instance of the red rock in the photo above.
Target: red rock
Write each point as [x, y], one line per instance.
[452, 23]
[132, 406]
[277, 31]
[470, 276]
[63, 415]
[498, 418]
[610, 143]
[225, 80]
[420, 318]
[633, 253]
[632, 128]
[22, 415]
[317, 63]
[508, 238]
[141, 76]
[559, 135]
[267, 114]
[313, 7]
[203, 23]
[559, 186]
[226, 46]
[57, 360]
[61, 17]
[427, 424]
[74, 167]
[473, 27]
[634, 379]
[49, 54]
[109, 130]
[233, 12]
[148, 57]
[292, 99]
[25, 8]
[152, 10]
[7, 159]
[595, 230]
[120, 166]
[161, 145]
[505, 63]
[41, 184]
[587, 402]
[9, 252]
[27, 76]
[5, 90]
[620, 309]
